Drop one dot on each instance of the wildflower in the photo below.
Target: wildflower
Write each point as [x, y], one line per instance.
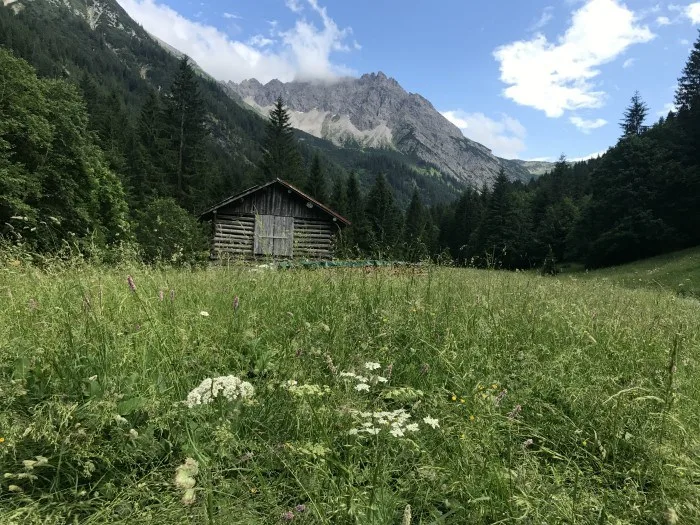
[353, 431]
[424, 369]
[389, 370]
[431, 421]
[380, 379]
[2, 440]
[500, 397]
[396, 432]
[132, 284]
[253, 490]
[472, 418]
[406, 519]
[172, 295]
[412, 427]
[329, 363]
[92, 378]
[14, 488]
[209, 389]
[461, 400]
[454, 397]
[120, 420]
[185, 474]
[671, 516]
[373, 431]
[362, 387]
[204, 314]
[133, 433]
[235, 303]
[300, 508]
[189, 497]
[494, 386]
[33, 304]
[287, 516]
[372, 366]
[515, 412]
[527, 443]
[161, 296]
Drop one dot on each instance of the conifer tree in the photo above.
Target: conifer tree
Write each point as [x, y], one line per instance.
[414, 229]
[338, 197]
[316, 182]
[281, 157]
[688, 92]
[633, 121]
[383, 217]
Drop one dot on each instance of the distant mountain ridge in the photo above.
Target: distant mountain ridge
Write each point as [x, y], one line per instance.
[374, 111]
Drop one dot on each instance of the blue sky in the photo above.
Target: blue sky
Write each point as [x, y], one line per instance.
[529, 79]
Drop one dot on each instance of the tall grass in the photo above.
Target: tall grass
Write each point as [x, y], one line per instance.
[557, 401]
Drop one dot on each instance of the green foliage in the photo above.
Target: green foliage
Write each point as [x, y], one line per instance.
[315, 184]
[688, 92]
[383, 217]
[550, 398]
[634, 116]
[168, 234]
[281, 158]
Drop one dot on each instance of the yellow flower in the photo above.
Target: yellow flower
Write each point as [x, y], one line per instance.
[461, 400]
[454, 397]
[2, 440]
[471, 418]
[481, 387]
[484, 396]
[494, 386]
[585, 442]
[462, 436]
[253, 490]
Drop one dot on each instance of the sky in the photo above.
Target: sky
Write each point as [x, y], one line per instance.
[529, 79]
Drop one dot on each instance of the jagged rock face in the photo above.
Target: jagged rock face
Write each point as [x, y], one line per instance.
[374, 111]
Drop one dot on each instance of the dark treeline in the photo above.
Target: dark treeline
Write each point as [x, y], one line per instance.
[97, 149]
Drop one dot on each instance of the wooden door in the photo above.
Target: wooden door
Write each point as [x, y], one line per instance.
[274, 235]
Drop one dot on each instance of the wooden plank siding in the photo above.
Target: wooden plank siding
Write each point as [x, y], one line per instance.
[274, 221]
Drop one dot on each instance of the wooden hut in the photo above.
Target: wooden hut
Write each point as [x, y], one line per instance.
[273, 219]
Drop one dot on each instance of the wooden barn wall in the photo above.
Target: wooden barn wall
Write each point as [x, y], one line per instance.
[273, 200]
[234, 224]
[233, 234]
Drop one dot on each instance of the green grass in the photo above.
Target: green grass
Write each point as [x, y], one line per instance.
[678, 272]
[605, 378]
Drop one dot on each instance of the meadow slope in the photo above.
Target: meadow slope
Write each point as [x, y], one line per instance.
[472, 396]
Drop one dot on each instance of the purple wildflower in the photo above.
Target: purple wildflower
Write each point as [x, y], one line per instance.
[300, 508]
[287, 516]
[500, 396]
[424, 369]
[389, 369]
[161, 296]
[235, 303]
[132, 284]
[33, 304]
[515, 412]
[527, 443]
[172, 295]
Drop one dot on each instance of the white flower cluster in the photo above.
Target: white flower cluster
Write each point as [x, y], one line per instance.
[309, 390]
[363, 382]
[230, 387]
[396, 423]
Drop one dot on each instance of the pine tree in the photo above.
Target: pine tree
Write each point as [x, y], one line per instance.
[338, 197]
[281, 157]
[414, 229]
[316, 182]
[688, 92]
[358, 235]
[186, 131]
[636, 112]
[383, 217]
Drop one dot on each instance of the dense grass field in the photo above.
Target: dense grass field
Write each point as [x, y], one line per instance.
[380, 396]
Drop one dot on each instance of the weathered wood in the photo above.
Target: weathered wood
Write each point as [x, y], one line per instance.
[263, 243]
[283, 236]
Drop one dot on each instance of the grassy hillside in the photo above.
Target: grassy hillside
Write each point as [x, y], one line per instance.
[490, 398]
[678, 272]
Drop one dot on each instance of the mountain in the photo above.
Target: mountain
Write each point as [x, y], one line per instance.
[375, 112]
[535, 167]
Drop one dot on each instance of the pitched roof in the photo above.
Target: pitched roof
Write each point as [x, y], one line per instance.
[259, 187]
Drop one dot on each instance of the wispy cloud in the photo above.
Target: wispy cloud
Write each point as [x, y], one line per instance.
[589, 156]
[233, 16]
[294, 5]
[586, 126]
[663, 21]
[628, 63]
[668, 107]
[544, 19]
[304, 51]
[556, 77]
[693, 12]
[505, 136]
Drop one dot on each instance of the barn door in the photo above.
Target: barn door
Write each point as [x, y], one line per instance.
[274, 235]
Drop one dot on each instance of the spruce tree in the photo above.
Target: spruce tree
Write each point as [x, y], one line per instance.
[186, 132]
[316, 182]
[633, 121]
[338, 197]
[414, 229]
[383, 217]
[281, 158]
[688, 92]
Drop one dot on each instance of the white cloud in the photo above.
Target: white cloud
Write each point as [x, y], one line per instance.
[693, 12]
[555, 77]
[294, 5]
[541, 159]
[232, 15]
[505, 137]
[586, 126]
[663, 21]
[668, 107]
[628, 63]
[544, 19]
[588, 157]
[303, 51]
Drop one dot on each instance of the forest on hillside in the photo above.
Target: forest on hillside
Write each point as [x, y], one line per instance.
[96, 157]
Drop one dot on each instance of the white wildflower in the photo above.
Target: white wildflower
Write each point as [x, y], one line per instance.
[431, 421]
[380, 379]
[353, 431]
[396, 432]
[133, 433]
[230, 387]
[120, 420]
[372, 366]
[372, 431]
[412, 427]
[362, 387]
[204, 314]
